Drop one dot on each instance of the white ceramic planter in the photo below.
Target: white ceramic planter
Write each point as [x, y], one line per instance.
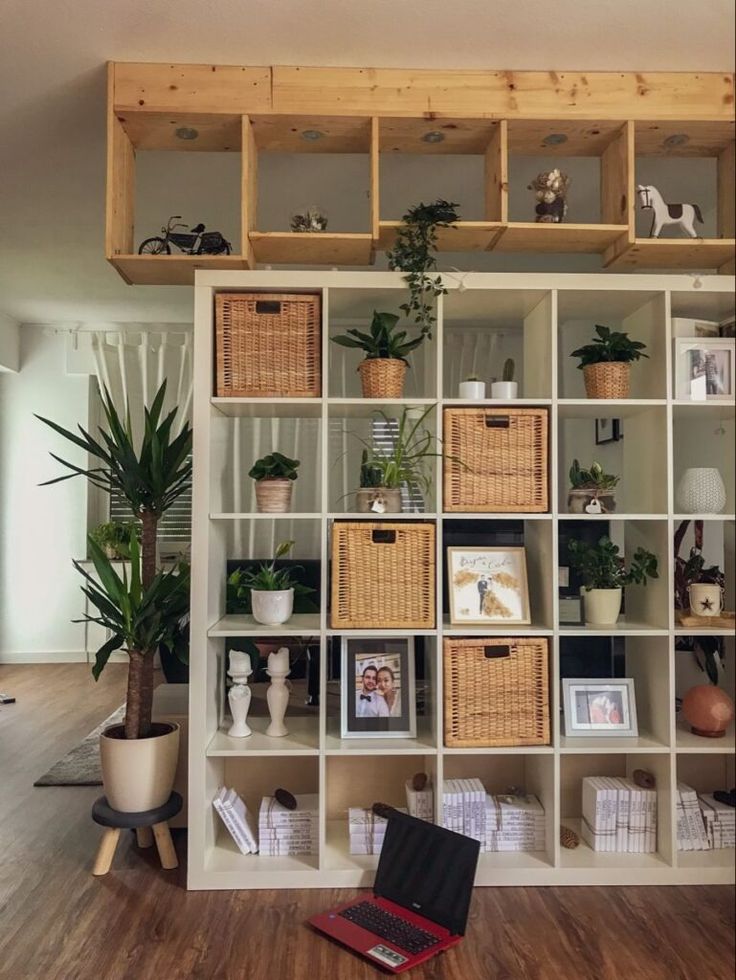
[138, 773]
[507, 390]
[706, 599]
[272, 608]
[602, 606]
[472, 390]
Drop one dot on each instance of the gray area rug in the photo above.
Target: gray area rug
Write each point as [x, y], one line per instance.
[81, 766]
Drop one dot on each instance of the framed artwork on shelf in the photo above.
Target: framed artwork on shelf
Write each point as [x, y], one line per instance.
[377, 688]
[604, 707]
[488, 586]
[607, 430]
[704, 369]
[691, 328]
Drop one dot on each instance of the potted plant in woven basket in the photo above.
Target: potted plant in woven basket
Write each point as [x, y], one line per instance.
[591, 491]
[274, 475]
[604, 576]
[383, 371]
[606, 363]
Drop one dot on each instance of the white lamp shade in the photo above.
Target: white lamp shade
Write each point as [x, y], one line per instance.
[701, 491]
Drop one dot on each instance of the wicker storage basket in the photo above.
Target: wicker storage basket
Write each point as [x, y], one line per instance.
[505, 452]
[496, 692]
[607, 379]
[268, 345]
[383, 575]
[382, 377]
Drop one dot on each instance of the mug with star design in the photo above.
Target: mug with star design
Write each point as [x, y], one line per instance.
[705, 599]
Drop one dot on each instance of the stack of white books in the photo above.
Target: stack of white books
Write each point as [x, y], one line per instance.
[618, 815]
[691, 835]
[420, 802]
[367, 830]
[514, 823]
[283, 832]
[237, 819]
[720, 822]
[464, 807]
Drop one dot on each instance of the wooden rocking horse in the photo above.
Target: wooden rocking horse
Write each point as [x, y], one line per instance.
[682, 215]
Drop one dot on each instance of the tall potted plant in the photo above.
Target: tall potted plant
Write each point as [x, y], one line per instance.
[140, 611]
[606, 363]
[383, 371]
[604, 576]
[274, 475]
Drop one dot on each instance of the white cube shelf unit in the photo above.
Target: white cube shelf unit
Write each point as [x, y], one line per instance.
[484, 318]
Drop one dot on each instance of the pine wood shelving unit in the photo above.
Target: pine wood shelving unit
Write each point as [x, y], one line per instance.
[547, 316]
[501, 116]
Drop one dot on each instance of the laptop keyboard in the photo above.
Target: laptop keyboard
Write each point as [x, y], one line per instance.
[389, 926]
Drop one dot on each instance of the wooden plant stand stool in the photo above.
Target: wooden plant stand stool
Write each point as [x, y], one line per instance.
[149, 825]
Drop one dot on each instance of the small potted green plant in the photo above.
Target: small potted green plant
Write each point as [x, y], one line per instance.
[383, 371]
[591, 490]
[271, 589]
[274, 475]
[507, 388]
[372, 492]
[472, 389]
[604, 576]
[606, 363]
[114, 538]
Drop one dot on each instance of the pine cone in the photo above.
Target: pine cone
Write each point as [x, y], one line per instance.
[568, 838]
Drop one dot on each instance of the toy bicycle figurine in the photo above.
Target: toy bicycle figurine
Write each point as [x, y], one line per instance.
[195, 241]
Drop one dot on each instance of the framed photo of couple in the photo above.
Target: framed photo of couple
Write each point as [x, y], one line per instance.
[488, 586]
[378, 688]
[599, 707]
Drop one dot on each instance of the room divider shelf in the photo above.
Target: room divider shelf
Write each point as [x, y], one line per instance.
[674, 253]
[543, 318]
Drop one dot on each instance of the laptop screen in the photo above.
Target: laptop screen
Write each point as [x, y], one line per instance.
[428, 869]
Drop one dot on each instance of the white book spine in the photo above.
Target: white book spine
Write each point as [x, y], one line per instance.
[232, 827]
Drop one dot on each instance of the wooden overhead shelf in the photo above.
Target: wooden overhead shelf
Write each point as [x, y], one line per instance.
[674, 253]
[528, 236]
[312, 248]
[172, 270]
[465, 236]
[562, 137]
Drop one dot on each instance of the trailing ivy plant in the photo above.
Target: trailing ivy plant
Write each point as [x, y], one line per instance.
[602, 567]
[413, 254]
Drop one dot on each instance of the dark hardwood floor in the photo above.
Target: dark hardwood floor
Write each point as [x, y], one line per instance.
[57, 922]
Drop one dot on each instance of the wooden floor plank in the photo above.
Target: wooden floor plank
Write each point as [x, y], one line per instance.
[57, 922]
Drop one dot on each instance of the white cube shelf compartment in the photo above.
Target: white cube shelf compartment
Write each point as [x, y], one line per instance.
[484, 318]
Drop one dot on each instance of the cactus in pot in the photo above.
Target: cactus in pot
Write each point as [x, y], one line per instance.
[507, 388]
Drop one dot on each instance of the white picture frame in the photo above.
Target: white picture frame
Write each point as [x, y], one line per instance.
[694, 328]
[599, 707]
[374, 718]
[504, 600]
[704, 368]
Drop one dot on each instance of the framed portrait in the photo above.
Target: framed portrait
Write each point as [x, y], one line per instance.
[689, 327]
[487, 586]
[607, 430]
[377, 688]
[599, 707]
[704, 369]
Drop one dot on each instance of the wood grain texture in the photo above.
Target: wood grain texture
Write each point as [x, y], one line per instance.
[119, 183]
[60, 923]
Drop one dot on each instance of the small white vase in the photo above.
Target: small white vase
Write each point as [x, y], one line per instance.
[277, 698]
[602, 606]
[506, 390]
[706, 599]
[272, 608]
[472, 390]
[701, 491]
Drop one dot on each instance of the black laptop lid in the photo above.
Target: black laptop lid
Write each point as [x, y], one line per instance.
[427, 869]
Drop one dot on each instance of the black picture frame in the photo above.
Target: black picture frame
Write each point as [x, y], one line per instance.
[357, 654]
[607, 430]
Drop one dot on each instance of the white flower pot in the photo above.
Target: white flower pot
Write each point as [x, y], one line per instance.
[472, 390]
[507, 390]
[138, 773]
[602, 606]
[701, 491]
[272, 608]
[705, 598]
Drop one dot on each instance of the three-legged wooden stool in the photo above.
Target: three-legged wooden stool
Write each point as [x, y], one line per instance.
[149, 825]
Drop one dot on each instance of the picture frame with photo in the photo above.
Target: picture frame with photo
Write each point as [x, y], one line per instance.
[377, 688]
[704, 369]
[608, 430]
[488, 586]
[595, 707]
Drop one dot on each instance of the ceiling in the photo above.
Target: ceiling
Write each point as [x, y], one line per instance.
[52, 98]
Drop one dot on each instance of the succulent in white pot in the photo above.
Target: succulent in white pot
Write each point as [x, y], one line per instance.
[472, 389]
[271, 589]
[604, 576]
[507, 388]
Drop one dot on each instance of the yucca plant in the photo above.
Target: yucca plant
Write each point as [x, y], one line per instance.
[140, 618]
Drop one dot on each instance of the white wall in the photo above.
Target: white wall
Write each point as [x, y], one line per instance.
[41, 528]
[9, 344]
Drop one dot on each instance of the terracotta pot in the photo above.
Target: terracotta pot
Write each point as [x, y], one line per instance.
[272, 608]
[602, 606]
[382, 377]
[607, 379]
[273, 496]
[385, 501]
[138, 773]
[708, 710]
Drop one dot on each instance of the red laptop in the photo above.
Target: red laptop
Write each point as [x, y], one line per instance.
[420, 900]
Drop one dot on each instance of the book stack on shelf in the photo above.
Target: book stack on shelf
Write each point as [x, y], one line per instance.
[283, 832]
[367, 830]
[420, 802]
[237, 819]
[720, 822]
[690, 825]
[464, 807]
[514, 823]
[619, 816]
